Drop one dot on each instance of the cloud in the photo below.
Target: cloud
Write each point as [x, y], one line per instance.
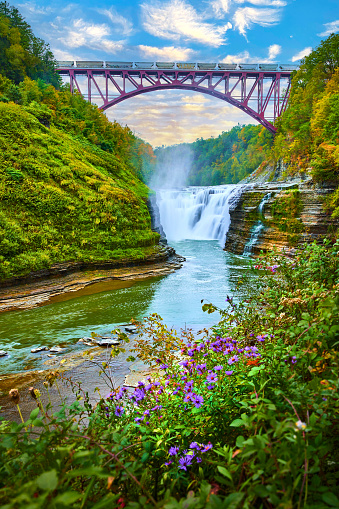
[166, 53]
[64, 55]
[245, 17]
[178, 19]
[32, 11]
[221, 7]
[90, 35]
[267, 3]
[122, 23]
[273, 51]
[180, 118]
[303, 53]
[330, 28]
[244, 57]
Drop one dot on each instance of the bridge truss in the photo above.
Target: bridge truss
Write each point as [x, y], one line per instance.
[261, 94]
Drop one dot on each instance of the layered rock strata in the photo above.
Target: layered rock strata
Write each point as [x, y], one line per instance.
[313, 221]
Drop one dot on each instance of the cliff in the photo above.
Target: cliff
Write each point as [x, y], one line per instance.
[283, 215]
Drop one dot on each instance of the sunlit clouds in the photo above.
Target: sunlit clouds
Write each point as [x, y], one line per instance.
[330, 28]
[166, 53]
[303, 53]
[125, 25]
[174, 117]
[177, 19]
[91, 35]
[245, 18]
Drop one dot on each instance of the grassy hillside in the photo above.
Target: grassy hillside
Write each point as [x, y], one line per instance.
[62, 198]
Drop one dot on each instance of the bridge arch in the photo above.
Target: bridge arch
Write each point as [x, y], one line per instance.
[260, 92]
[202, 90]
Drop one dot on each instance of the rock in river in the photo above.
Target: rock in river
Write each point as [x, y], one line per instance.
[107, 342]
[3, 353]
[56, 349]
[39, 349]
[132, 329]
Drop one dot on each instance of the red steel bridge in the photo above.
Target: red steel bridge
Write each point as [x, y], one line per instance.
[260, 90]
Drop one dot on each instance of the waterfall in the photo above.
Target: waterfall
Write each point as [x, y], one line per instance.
[200, 213]
[257, 227]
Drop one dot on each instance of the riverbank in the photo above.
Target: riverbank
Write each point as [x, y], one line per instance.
[66, 281]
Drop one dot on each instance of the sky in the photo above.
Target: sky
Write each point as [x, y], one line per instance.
[242, 31]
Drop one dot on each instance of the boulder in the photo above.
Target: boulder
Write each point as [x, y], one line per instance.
[3, 353]
[39, 349]
[107, 342]
[132, 329]
[56, 349]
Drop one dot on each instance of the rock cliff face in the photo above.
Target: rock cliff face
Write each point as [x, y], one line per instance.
[290, 214]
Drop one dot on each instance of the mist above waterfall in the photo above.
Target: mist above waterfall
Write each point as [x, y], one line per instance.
[172, 167]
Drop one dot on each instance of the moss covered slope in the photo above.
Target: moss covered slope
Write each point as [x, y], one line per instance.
[63, 198]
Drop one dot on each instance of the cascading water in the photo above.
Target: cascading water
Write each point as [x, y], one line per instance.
[257, 228]
[200, 213]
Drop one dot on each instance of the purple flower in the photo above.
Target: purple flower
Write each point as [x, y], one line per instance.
[218, 368]
[119, 410]
[168, 463]
[164, 366]
[194, 445]
[233, 359]
[185, 462]
[173, 451]
[139, 419]
[212, 377]
[198, 401]
[187, 397]
[207, 447]
[294, 359]
[209, 387]
[228, 373]
[199, 460]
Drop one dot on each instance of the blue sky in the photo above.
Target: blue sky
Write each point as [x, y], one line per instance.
[181, 30]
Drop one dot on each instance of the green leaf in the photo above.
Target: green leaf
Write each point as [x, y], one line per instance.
[240, 441]
[237, 422]
[233, 500]
[330, 499]
[34, 413]
[48, 481]
[225, 472]
[67, 498]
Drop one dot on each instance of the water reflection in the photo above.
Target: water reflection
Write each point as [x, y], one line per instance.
[209, 273]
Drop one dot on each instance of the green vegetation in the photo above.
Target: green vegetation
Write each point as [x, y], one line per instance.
[21, 53]
[286, 211]
[69, 178]
[308, 132]
[226, 159]
[63, 198]
[247, 419]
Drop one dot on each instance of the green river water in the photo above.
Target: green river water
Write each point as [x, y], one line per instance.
[208, 273]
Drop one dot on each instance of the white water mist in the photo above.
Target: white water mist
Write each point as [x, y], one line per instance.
[172, 167]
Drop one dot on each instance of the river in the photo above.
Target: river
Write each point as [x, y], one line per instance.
[195, 221]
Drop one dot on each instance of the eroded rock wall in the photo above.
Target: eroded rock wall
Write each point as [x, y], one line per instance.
[294, 214]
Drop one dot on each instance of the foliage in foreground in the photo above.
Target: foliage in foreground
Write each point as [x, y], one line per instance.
[244, 417]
